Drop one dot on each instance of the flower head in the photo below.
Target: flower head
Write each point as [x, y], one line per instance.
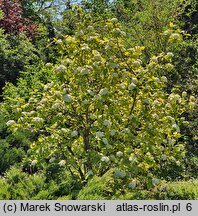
[170, 54]
[164, 79]
[155, 181]
[175, 36]
[114, 74]
[105, 159]
[112, 132]
[90, 173]
[62, 163]
[52, 159]
[105, 141]
[119, 174]
[134, 80]
[59, 41]
[119, 154]
[34, 162]
[156, 79]
[37, 120]
[132, 86]
[132, 185]
[10, 122]
[114, 20]
[60, 68]
[107, 123]
[67, 98]
[84, 71]
[99, 134]
[131, 159]
[74, 133]
[103, 92]
[176, 127]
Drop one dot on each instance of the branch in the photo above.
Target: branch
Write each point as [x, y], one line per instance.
[132, 107]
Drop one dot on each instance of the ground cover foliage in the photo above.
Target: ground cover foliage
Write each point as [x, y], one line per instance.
[99, 102]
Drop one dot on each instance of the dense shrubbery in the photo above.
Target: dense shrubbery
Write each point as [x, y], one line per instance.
[16, 55]
[19, 185]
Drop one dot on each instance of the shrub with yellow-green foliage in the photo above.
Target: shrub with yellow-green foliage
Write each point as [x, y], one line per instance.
[105, 108]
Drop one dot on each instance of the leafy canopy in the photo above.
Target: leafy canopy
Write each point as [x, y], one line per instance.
[104, 107]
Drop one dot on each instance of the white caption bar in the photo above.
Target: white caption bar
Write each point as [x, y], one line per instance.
[99, 207]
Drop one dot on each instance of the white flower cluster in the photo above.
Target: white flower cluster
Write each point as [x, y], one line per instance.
[97, 57]
[175, 36]
[167, 32]
[155, 181]
[10, 122]
[56, 105]
[62, 163]
[52, 159]
[114, 20]
[132, 185]
[134, 80]
[119, 174]
[176, 127]
[90, 28]
[74, 133]
[84, 71]
[114, 65]
[107, 123]
[112, 132]
[64, 130]
[47, 86]
[155, 116]
[32, 112]
[184, 94]
[67, 98]
[59, 41]
[105, 141]
[137, 63]
[31, 100]
[156, 79]
[103, 91]
[60, 68]
[90, 92]
[127, 130]
[132, 86]
[48, 65]
[192, 98]
[114, 74]
[170, 54]
[118, 31]
[131, 159]
[105, 159]
[99, 134]
[90, 173]
[34, 162]
[174, 98]
[119, 154]
[156, 102]
[164, 79]
[68, 40]
[37, 120]
[85, 47]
